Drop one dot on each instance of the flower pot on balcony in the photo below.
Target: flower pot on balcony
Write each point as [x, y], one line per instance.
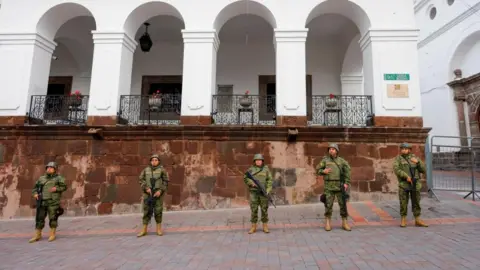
[331, 102]
[245, 102]
[75, 103]
[155, 103]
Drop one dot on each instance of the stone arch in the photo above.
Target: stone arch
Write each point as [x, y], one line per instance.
[353, 61]
[460, 50]
[51, 21]
[146, 11]
[351, 76]
[243, 7]
[345, 8]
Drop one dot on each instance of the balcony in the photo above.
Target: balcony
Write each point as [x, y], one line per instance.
[58, 110]
[351, 111]
[243, 110]
[150, 110]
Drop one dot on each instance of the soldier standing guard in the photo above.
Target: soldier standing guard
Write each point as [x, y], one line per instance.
[154, 183]
[261, 173]
[47, 192]
[407, 166]
[334, 168]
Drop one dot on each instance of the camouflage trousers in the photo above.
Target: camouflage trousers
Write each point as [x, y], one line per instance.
[49, 208]
[256, 200]
[157, 210]
[330, 199]
[403, 196]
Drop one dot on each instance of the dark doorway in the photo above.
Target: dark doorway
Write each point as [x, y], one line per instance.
[56, 107]
[170, 90]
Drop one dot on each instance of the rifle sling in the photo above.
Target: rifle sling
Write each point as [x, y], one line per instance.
[412, 174]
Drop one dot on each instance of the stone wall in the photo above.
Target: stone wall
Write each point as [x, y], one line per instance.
[205, 164]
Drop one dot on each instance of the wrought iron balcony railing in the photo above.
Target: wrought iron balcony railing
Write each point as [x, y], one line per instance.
[150, 110]
[243, 110]
[340, 110]
[58, 110]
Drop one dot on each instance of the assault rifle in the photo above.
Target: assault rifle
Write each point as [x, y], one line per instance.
[345, 195]
[259, 186]
[151, 199]
[413, 185]
[39, 201]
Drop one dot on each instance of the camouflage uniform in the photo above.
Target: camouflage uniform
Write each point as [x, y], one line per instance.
[264, 176]
[401, 168]
[50, 202]
[333, 186]
[160, 183]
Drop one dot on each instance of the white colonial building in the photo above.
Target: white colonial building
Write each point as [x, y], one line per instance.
[449, 40]
[290, 55]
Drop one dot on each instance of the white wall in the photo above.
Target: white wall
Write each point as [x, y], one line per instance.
[42, 20]
[438, 47]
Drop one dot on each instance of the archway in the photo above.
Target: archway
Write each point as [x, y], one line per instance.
[245, 62]
[69, 25]
[159, 70]
[334, 61]
[467, 56]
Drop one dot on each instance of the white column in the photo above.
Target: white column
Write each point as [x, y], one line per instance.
[24, 70]
[291, 68]
[199, 71]
[392, 54]
[352, 84]
[111, 72]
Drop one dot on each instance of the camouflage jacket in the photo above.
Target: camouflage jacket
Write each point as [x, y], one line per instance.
[401, 168]
[46, 182]
[263, 175]
[159, 176]
[332, 180]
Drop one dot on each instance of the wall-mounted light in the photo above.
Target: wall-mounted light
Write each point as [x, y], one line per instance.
[145, 40]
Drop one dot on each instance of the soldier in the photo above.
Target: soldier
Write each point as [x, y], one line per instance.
[154, 183]
[261, 173]
[333, 168]
[401, 167]
[47, 192]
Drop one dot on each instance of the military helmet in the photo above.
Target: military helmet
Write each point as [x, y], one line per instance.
[51, 164]
[334, 146]
[155, 156]
[258, 157]
[405, 145]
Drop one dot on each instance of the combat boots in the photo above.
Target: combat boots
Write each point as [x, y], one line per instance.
[328, 227]
[52, 234]
[143, 232]
[345, 225]
[419, 222]
[38, 236]
[253, 228]
[159, 229]
[265, 228]
[403, 222]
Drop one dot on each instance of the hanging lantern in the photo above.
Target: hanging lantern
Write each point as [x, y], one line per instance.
[145, 41]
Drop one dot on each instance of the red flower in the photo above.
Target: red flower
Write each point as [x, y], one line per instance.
[332, 95]
[247, 92]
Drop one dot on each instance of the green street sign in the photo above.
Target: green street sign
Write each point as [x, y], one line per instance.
[396, 77]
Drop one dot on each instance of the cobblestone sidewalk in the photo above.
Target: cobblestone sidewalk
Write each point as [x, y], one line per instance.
[218, 240]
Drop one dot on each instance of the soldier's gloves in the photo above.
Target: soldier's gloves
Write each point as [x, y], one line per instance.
[409, 180]
[149, 191]
[35, 196]
[157, 194]
[414, 160]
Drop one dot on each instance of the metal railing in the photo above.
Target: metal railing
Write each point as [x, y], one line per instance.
[453, 167]
[150, 110]
[243, 110]
[341, 110]
[58, 110]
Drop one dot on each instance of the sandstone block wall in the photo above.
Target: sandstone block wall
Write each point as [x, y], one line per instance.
[205, 164]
